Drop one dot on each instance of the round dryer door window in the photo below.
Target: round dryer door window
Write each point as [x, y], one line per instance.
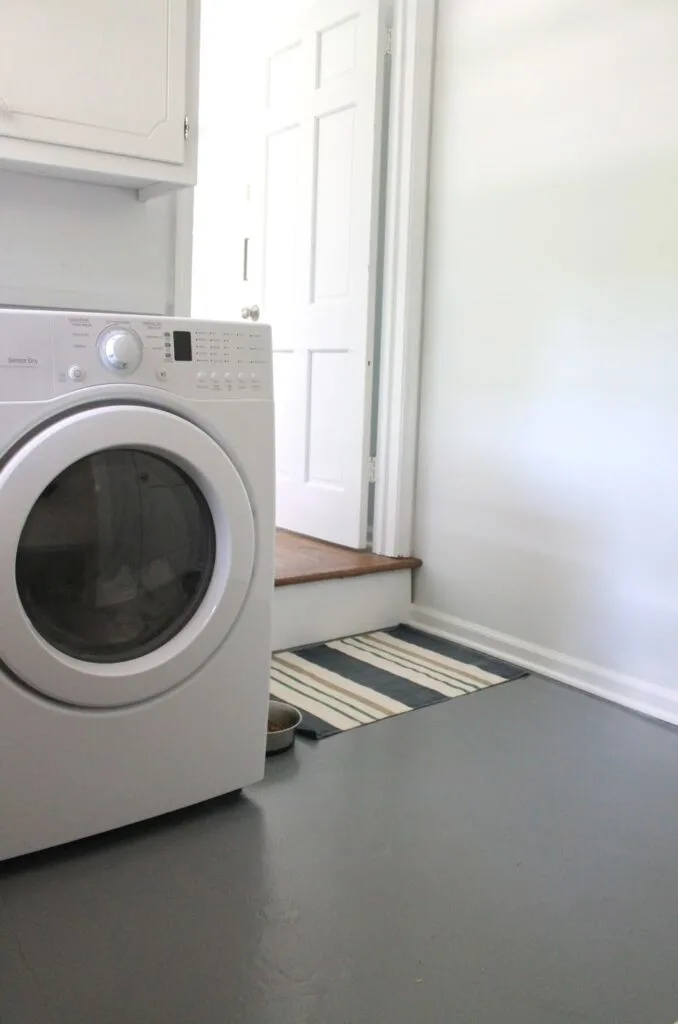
[116, 555]
[131, 541]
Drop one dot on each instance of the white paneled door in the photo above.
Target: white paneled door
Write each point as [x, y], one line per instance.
[319, 248]
[312, 252]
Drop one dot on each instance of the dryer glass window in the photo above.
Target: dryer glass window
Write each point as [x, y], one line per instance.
[115, 556]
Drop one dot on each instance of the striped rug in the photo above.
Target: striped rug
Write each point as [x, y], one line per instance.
[362, 679]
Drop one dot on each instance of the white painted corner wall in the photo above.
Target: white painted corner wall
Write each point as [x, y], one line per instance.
[547, 490]
[630, 691]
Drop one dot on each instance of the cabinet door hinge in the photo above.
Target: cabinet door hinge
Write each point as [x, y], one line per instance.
[389, 42]
[372, 469]
[187, 127]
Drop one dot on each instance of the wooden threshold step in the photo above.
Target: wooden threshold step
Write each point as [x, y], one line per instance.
[301, 559]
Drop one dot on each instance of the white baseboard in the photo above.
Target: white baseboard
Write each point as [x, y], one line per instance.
[637, 694]
[311, 613]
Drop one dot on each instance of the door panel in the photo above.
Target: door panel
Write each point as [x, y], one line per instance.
[281, 278]
[337, 50]
[328, 376]
[286, 411]
[331, 254]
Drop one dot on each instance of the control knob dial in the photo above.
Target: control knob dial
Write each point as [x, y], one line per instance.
[120, 349]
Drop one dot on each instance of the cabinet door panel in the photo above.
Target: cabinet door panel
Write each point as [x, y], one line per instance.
[106, 75]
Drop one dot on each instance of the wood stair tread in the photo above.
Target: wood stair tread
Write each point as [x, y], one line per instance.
[301, 559]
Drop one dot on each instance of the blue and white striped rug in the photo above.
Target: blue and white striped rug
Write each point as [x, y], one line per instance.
[362, 679]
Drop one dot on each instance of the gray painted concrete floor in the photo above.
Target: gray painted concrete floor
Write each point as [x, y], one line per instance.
[509, 857]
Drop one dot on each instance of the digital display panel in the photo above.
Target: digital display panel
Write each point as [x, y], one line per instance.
[183, 352]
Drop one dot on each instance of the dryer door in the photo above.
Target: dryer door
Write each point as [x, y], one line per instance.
[126, 554]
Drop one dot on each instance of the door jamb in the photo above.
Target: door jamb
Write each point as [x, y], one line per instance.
[413, 39]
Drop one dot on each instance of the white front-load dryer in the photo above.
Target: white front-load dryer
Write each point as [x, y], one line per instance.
[136, 558]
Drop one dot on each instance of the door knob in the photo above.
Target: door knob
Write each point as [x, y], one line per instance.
[250, 313]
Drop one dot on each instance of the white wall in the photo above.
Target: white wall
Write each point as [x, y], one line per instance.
[547, 512]
[232, 84]
[68, 244]
[229, 65]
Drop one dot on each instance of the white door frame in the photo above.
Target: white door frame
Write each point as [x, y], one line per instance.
[412, 42]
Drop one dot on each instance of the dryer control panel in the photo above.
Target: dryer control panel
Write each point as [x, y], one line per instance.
[43, 353]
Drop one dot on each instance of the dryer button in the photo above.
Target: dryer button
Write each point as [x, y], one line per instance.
[202, 377]
[76, 373]
[161, 374]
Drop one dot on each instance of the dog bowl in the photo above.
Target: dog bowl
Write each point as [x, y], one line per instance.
[284, 719]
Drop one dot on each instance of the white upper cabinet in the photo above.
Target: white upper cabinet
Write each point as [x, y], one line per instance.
[100, 89]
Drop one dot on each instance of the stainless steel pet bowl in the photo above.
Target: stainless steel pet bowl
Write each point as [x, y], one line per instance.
[287, 719]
